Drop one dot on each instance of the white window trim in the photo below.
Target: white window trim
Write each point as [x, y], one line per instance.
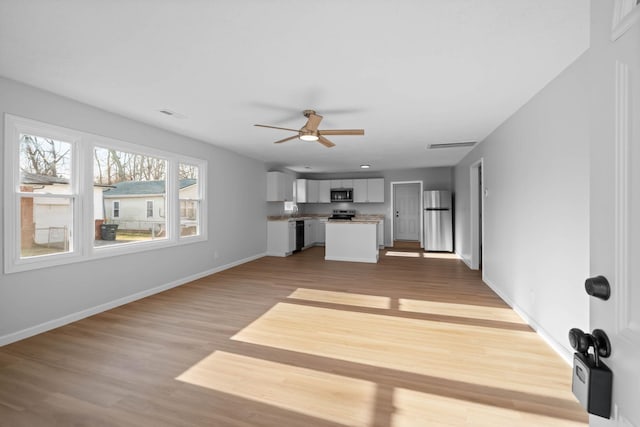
[81, 184]
[146, 208]
[113, 208]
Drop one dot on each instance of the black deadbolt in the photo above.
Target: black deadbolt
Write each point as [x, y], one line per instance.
[598, 287]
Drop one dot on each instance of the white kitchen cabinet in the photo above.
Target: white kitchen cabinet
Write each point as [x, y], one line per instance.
[291, 225]
[313, 191]
[369, 190]
[381, 234]
[279, 187]
[309, 232]
[341, 183]
[307, 191]
[375, 190]
[281, 237]
[321, 231]
[360, 193]
[301, 190]
[324, 191]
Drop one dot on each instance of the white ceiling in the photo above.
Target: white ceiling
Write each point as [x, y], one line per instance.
[410, 72]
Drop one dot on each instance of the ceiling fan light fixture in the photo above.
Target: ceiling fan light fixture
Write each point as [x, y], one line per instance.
[308, 136]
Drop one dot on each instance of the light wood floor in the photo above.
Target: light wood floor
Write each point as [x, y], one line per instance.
[297, 341]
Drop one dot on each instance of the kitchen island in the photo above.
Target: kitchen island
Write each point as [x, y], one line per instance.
[355, 241]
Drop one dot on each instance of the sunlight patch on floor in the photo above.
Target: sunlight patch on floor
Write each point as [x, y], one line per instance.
[434, 409]
[467, 353]
[402, 254]
[344, 298]
[504, 314]
[335, 398]
[440, 255]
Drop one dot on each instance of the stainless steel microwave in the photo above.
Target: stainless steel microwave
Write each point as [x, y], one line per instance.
[342, 194]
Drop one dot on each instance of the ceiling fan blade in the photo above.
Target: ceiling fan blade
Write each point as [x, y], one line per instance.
[276, 127]
[324, 141]
[313, 122]
[341, 131]
[286, 139]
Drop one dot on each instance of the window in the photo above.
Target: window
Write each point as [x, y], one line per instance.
[132, 178]
[190, 199]
[57, 210]
[46, 195]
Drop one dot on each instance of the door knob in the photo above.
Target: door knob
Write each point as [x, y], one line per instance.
[598, 339]
[598, 287]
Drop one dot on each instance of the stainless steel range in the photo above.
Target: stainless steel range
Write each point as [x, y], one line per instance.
[343, 214]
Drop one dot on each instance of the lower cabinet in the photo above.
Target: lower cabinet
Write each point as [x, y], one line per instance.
[281, 237]
[309, 232]
[321, 232]
[292, 236]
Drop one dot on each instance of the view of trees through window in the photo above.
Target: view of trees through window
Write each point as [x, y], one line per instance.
[46, 199]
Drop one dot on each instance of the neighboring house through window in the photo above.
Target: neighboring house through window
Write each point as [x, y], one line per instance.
[52, 218]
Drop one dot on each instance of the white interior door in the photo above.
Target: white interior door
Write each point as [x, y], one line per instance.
[406, 218]
[615, 210]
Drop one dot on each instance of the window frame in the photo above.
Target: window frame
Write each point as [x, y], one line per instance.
[149, 211]
[114, 210]
[201, 213]
[81, 195]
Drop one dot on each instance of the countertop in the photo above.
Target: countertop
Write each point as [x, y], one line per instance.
[358, 219]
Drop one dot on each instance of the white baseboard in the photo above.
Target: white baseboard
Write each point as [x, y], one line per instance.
[563, 352]
[349, 259]
[466, 260]
[73, 317]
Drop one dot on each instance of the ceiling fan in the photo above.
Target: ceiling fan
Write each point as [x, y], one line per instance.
[310, 131]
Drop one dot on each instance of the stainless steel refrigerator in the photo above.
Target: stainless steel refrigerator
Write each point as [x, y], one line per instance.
[438, 221]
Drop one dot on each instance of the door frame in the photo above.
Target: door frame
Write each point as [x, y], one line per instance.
[476, 214]
[393, 208]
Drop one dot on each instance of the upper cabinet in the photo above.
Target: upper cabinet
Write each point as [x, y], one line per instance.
[342, 183]
[313, 191]
[360, 191]
[368, 190]
[324, 191]
[375, 190]
[307, 190]
[279, 187]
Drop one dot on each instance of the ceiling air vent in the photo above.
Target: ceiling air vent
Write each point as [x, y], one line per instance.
[452, 145]
[171, 113]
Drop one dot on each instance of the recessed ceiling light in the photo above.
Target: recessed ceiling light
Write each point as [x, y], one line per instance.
[307, 167]
[365, 166]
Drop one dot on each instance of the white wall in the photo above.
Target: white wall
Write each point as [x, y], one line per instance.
[32, 301]
[536, 224]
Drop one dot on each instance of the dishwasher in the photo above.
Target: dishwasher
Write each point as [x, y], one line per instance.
[299, 236]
